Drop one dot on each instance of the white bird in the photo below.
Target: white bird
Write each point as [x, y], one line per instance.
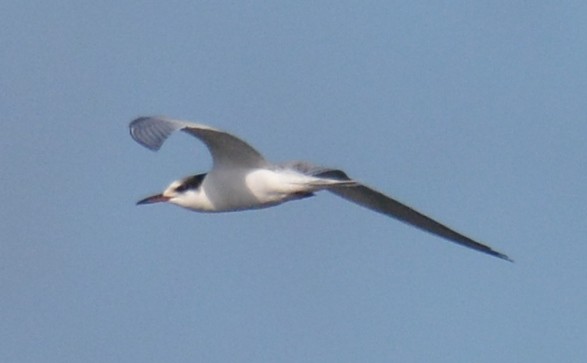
[242, 179]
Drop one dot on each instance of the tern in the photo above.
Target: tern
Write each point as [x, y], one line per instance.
[241, 178]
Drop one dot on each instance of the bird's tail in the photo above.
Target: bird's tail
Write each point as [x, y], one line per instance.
[326, 183]
[321, 177]
[328, 177]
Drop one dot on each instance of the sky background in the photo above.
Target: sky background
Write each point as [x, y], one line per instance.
[472, 112]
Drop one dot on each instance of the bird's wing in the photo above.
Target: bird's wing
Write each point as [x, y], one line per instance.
[379, 202]
[227, 150]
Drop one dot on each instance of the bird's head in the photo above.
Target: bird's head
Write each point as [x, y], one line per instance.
[186, 192]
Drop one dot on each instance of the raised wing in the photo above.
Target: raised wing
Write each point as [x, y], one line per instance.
[379, 202]
[227, 150]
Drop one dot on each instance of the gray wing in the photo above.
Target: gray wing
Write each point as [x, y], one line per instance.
[227, 150]
[379, 202]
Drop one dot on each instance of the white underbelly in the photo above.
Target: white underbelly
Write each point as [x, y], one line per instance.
[245, 189]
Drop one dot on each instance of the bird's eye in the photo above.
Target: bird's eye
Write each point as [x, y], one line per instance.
[191, 183]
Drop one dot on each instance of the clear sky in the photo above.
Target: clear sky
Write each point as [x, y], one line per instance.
[473, 112]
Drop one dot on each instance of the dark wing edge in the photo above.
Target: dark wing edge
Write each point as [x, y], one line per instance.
[151, 132]
[381, 203]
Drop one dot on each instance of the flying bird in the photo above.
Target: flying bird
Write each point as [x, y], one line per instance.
[241, 178]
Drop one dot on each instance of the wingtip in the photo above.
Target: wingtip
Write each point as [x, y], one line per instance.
[502, 256]
[136, 121]
[508, 259]
[142, 136]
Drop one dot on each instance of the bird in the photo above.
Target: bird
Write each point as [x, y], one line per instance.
[242, 179]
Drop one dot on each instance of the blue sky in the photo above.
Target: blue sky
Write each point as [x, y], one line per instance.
[472, 112]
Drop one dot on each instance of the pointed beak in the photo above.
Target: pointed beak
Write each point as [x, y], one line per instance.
[153, 199]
